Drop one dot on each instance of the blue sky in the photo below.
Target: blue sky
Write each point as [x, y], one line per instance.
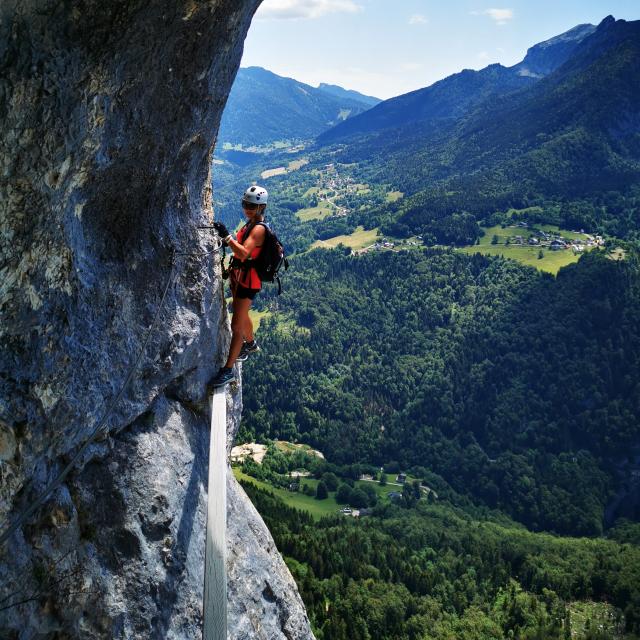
[386, 48]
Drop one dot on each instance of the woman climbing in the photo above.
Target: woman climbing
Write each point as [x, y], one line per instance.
[243, 279]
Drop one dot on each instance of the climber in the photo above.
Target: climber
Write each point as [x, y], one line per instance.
[243, 279]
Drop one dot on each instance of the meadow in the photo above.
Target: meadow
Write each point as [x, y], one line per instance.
[317, 508]
[551, 261]
[359, 239]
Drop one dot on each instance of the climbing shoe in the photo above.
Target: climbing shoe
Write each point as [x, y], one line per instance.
[247, 349]
[222, 378]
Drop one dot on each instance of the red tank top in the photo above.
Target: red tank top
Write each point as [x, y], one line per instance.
[248, 278]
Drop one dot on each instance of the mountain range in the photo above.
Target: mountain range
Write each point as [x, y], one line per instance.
[454, 96]
[484, 141]
[559, 131]
[555, 137]
[264, 108]
[506, 390]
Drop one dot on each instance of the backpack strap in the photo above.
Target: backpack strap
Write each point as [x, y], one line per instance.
[248, 226]
[251, 227]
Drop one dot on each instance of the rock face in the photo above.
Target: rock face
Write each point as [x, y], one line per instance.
[545, 57]
[108, 115]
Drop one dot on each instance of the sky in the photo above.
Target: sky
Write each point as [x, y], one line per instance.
[388, 47]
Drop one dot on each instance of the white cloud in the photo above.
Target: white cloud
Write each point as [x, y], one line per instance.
[304, 9]
[483, 56]
[500, 16]
[417, 18]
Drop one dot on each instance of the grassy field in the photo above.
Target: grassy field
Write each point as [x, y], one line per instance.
[383, 492]
[392, 196]
[297, 500]
[269, 173]
[617, 254]
[551, 261]
[356, 240]
[294, 165]
[317, 508]
[257, 317]
[291, 447]
[571, 235]
[320, 212]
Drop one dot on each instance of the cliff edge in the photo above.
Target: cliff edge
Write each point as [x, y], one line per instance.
[108, 116]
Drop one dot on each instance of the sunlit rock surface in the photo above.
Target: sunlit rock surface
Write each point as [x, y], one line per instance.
[108, 112]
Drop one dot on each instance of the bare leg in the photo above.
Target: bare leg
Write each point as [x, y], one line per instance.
[240, 324]
[248, 328]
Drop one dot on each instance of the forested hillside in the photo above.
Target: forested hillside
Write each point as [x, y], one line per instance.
[517, 389]
[512, 395]
[454, 96]
[570, 140]
[563, 150]
[264, 108]
[436, 572]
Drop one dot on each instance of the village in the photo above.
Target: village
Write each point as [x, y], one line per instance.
[552, 240]
[532, 237]
[344, 491]
[331, 185]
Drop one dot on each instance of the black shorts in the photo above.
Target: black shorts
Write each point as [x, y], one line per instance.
[242, 293]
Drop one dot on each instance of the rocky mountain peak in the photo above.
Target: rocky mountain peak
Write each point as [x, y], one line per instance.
[545, 57]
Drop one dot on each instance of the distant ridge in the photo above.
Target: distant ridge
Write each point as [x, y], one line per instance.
[264, 108]
[445, 100]
[545, 57]
[335, 90]
[457, 94]
[476, 143]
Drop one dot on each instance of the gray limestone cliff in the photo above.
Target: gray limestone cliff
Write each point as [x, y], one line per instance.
[108, 115]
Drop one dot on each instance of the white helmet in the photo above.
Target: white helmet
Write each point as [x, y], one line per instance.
[255, 195]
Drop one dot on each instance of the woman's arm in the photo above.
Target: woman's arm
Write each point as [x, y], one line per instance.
[255, 239]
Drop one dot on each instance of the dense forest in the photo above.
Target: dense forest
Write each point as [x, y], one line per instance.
[488, 378]
[448, 212]
[435, 572]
